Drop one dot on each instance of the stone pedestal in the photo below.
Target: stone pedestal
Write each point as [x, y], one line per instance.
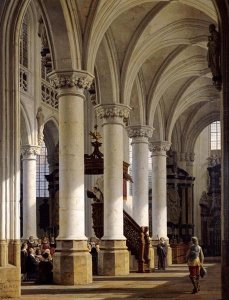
[10, 282]
[113, 258]
[72, 263]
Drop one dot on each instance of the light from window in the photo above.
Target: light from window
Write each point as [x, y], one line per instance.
[215, 135]
[42, 170]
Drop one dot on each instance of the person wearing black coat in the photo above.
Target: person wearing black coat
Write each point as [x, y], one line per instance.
[32, 265]
[24, 257]
[45, 274]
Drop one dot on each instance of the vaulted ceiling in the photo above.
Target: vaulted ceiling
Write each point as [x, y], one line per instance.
[149, 54]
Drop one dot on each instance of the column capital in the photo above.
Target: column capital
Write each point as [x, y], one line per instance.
[113, 113]
[139, 133]
[159, 147]
[30, 151]
[190, 157]
[71, 79]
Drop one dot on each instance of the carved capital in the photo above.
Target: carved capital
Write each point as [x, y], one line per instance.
[30, 151]
[68, 79]
[190, 157]
[159, 148]
[140, 131]
[113, 113]
[183, 156]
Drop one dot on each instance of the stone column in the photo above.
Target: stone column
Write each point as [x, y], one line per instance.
[29, 154]
[113, 257]
[159, 193]
[72, 261]
[140, 151]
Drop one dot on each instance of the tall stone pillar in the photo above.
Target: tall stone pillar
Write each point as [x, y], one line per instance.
[159, 192]
[29, 154]
[72, 261]
[113, 257]
[140, 151]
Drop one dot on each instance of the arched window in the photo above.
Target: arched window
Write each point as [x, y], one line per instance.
[215, 132]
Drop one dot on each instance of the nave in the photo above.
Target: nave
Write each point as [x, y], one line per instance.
[173, 284]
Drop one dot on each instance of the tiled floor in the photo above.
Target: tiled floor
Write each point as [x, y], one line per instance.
[171, 284]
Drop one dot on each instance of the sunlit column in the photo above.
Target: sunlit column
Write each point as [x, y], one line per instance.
[29, 154]
[140, 151]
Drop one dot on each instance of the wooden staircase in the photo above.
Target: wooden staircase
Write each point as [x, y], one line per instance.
[137, 238]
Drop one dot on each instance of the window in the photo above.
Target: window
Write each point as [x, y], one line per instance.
[24, 43]
[42, 170]
[215, 135]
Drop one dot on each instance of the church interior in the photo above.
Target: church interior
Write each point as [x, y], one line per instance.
[114, 136]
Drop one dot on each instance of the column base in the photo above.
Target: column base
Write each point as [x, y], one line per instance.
[113, 258]
[72, 263]
[169, 258]
[10, 282]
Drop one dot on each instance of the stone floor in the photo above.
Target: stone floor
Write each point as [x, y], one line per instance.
[171, 284]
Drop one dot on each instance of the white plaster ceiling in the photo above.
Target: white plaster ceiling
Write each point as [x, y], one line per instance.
[159, 51]
[148, 54]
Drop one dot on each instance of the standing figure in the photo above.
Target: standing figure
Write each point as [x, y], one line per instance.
[162, 253]
[24, 256]
[32, 265]
[31, 243]
[52, 246]
[45, 244]
[195, 259]
[213, 55]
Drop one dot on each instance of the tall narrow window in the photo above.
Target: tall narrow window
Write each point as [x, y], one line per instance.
[24, 37]
[42, 170]
[215, 131]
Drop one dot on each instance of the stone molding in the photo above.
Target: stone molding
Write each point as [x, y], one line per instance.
[71, 78]
[139, 131]
[112, 113]
[159, 148]
[28, 151]
[190, 157]
[187, 156]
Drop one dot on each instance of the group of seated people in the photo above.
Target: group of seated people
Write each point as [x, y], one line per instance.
[36, 260]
